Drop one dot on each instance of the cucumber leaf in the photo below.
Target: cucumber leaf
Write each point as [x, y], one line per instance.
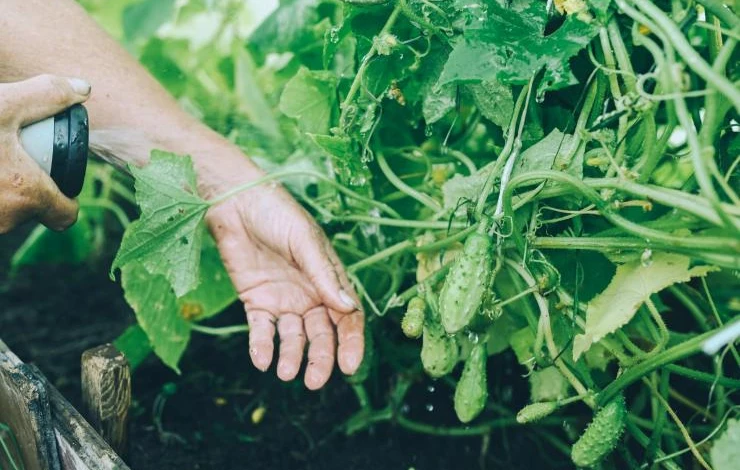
[157, 312]
[167, 239]
[309, 98]
[215, 291]
[510, 46]
[632, 285]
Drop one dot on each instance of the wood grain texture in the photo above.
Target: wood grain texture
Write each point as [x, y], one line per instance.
[24, 407]
[80, 447]
[106, 394]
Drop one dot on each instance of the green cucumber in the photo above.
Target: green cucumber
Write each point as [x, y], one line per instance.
[467, 282]
[413, 321]
[439, 351]
[471, 393]
[536, 411]
[602, 434]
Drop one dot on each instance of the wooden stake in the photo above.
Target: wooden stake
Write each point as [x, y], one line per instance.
[106, 394]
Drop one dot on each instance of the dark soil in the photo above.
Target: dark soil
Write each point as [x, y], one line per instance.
[50, 314]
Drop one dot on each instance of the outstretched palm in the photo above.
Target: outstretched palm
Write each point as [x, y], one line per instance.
[289, 278]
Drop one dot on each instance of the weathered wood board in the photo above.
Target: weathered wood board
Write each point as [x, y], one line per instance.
[106, 394]
[80, 447]
[51, 433]
[24, 407]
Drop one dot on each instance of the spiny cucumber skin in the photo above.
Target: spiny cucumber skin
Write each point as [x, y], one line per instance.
[535, 412]
[439, 351]
[602, 434]
[471, 393]
[466, 283]
[412, 324]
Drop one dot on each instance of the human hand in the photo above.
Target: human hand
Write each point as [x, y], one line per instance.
[288, 275]
[26, 191]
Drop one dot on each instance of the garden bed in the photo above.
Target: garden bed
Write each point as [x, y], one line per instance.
[206, 419]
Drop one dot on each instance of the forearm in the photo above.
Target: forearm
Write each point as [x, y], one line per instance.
[126, 103]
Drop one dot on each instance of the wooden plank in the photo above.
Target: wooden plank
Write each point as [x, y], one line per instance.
[80, 447]
[24, 408]
[106, 394]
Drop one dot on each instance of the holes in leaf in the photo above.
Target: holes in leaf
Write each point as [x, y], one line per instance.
[553, 24]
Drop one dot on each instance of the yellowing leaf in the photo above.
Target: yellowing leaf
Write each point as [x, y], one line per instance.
[431, 262]
[725, 453]
[632, 285]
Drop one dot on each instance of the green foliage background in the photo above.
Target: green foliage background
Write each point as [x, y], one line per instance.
[598, 139]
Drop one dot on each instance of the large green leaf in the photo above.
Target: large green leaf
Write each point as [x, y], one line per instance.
[165, 318]
[157, 312]
[309, 98]
[215, 291]
[167, 238]
[552, 152]
[494, 100]
[632, 285]
[510, 46]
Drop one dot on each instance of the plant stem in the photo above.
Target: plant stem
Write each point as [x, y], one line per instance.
[221, 330]
[724, 14]
[636, 372]
[718, 244]
[671, 34]
[680, 425]
[545, 326]
[380, 256]
[290, 173]
[109, 205]
[354, 88]
[497, 166]
[403, 187]
[422, 224]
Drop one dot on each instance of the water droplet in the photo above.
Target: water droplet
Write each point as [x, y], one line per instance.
[430, 388]
[473, 337]
[646, 259]
[334, 35]
[429, 407]
[405, 408]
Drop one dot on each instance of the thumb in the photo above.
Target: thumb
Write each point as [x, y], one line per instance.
[40, 97]
[57, 212]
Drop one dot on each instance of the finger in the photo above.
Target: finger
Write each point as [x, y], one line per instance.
[292, 344]
[313, 258]
[39, 197]
[351, 335]
[341, 273]
[321, 349]
[56, 211]
[40, 97]
[261, 336]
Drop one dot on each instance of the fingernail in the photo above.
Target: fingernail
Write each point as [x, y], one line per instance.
[347, 300]
[80, 86]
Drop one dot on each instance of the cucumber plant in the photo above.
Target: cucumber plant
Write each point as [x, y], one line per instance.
[557, 180]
